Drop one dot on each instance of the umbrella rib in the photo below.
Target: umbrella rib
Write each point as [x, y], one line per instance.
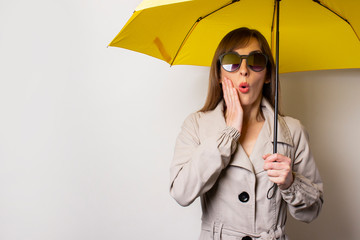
[228, 4]
[337, 14]
[184, 40]
[272, 28]
[195, 24]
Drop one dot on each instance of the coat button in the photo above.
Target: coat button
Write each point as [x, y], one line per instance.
[244, 197]
[246, 238]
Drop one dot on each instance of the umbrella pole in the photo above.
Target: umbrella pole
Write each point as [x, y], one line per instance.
[276, 77]
[272, 190]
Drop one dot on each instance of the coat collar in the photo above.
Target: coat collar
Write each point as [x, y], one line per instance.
[217, 122]
[284, 134]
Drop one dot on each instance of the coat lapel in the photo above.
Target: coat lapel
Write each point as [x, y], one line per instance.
[241, 159]
[265, 141]
[262, 146]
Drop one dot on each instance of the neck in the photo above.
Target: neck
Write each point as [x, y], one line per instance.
[252, 113]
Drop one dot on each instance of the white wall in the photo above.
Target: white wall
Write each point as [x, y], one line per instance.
[87, 132]
[327, 103]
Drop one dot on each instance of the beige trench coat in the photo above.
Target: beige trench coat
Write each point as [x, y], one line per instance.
[210, 163]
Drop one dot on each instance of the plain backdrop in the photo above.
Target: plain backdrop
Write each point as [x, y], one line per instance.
[87, 132]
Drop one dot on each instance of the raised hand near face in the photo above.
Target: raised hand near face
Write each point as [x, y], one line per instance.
[234, 112]
[278, 168]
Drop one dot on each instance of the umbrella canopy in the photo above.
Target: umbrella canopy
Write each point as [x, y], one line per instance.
[315, 35]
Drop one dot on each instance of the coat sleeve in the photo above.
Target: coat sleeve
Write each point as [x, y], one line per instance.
[198, 163]
[305, 195]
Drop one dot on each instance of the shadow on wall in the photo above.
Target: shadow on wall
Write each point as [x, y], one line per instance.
[327, 104]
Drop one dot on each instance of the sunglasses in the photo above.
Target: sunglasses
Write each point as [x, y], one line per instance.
[231, 61]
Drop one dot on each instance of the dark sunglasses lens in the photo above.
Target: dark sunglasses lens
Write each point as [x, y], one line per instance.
[230, 62]
[257, 61]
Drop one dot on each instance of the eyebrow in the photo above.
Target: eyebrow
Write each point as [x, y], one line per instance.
[255, 51]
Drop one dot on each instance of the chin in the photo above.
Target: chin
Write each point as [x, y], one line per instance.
[247, 102]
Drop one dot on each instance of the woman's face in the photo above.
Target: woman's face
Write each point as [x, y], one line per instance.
[248, 83]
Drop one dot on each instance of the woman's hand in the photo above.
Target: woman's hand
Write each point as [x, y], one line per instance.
[234, 111]
[278, 168]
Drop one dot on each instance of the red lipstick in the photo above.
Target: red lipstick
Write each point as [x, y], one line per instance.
[244, 87]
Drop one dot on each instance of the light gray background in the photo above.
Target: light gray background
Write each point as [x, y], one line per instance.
[87, 132]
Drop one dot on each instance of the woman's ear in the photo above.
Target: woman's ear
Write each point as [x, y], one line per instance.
[267, 81]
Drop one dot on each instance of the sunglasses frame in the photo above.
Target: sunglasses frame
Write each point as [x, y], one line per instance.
[244, 57]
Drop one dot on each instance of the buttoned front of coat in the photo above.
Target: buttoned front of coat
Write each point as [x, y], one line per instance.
[210, 163]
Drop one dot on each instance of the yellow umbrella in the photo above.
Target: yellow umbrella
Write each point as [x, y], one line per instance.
[314, 35]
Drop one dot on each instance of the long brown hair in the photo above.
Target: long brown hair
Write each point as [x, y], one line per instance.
[238, 38]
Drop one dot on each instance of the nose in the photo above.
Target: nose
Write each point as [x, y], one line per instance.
[244, 71]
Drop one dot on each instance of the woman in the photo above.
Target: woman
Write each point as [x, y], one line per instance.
[223, 152]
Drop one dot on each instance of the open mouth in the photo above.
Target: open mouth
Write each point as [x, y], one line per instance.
[244, 87]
